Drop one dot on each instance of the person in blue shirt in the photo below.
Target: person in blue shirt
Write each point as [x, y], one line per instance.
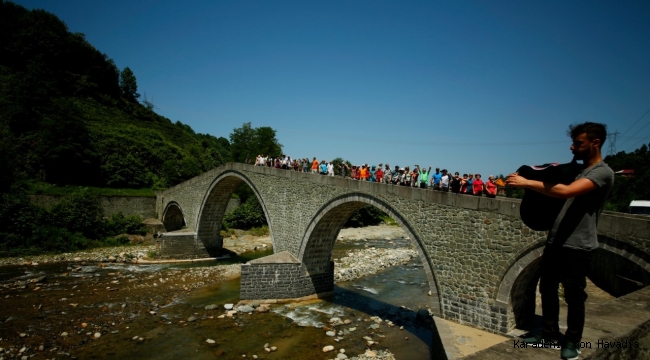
[470, 181]
[435, 179]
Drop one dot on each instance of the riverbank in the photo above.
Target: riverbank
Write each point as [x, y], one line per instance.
[84, 304]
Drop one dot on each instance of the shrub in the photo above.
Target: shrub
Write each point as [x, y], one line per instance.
[248, 215]
[130, 224]
[116, 241]
[80, 213]
[366, 216]
[50, 238]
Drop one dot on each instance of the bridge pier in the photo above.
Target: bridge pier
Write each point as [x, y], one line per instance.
[186, 245]
[282, 276]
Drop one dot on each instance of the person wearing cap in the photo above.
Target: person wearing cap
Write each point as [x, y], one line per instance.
[456, 183]
[435, 179]
[402, 176]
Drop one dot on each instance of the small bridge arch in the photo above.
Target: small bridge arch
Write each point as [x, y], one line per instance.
[173, 217]
[518, 287]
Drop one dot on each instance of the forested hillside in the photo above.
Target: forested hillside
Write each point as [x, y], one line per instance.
[636, 187]
[68, 115]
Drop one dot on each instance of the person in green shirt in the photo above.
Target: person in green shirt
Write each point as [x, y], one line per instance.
[424, 176]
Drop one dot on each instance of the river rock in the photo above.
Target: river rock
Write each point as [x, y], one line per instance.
[245, 309]
[263, 308]
[97, 335]
[328, 348]
[210, 341]
[191, 319]
[211, 307]
[228, 306]
[341, 356]
[330, 333]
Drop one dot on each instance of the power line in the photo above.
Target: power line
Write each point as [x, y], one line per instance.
[642, 140]
[630, 128]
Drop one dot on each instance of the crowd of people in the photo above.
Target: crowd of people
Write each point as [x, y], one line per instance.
[441, 180]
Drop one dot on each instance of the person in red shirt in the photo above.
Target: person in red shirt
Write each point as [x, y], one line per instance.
[477, 185]
[491, 187]
[379, 174]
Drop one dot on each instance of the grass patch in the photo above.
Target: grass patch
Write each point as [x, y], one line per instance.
[259, 231]
[389, 221]
[67, 190]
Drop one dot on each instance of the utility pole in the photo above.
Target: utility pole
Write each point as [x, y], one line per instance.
[612, 142]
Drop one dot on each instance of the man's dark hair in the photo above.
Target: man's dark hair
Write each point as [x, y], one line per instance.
[593, 131]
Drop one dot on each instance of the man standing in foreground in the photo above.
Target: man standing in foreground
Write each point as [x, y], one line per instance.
[572, 239]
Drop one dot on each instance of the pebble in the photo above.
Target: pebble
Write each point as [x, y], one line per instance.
[228, 306]
[330, 333]
[97, 335]
[341, 356]
[210, 307]
[328, 348]
[191, 319]
[64, 334]
[210, 341]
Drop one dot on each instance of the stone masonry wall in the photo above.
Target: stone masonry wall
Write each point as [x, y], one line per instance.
[282, 281]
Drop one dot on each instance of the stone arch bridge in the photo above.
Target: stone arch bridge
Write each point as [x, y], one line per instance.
[480, 259]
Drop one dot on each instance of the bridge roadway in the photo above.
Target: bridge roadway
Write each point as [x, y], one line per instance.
[480, 259]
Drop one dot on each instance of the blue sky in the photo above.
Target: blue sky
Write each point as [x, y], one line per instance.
[471, 86]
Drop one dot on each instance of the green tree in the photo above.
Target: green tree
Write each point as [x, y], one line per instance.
[129, 85]
[248, 141]
[337, 162]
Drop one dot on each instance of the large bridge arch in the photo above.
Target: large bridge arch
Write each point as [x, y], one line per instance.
[518, 286]
[213, 208]
[319, 238]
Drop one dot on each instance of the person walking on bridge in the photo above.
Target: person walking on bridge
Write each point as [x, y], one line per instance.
[572, 238]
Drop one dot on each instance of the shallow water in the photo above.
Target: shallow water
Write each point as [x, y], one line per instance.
[297, 330]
